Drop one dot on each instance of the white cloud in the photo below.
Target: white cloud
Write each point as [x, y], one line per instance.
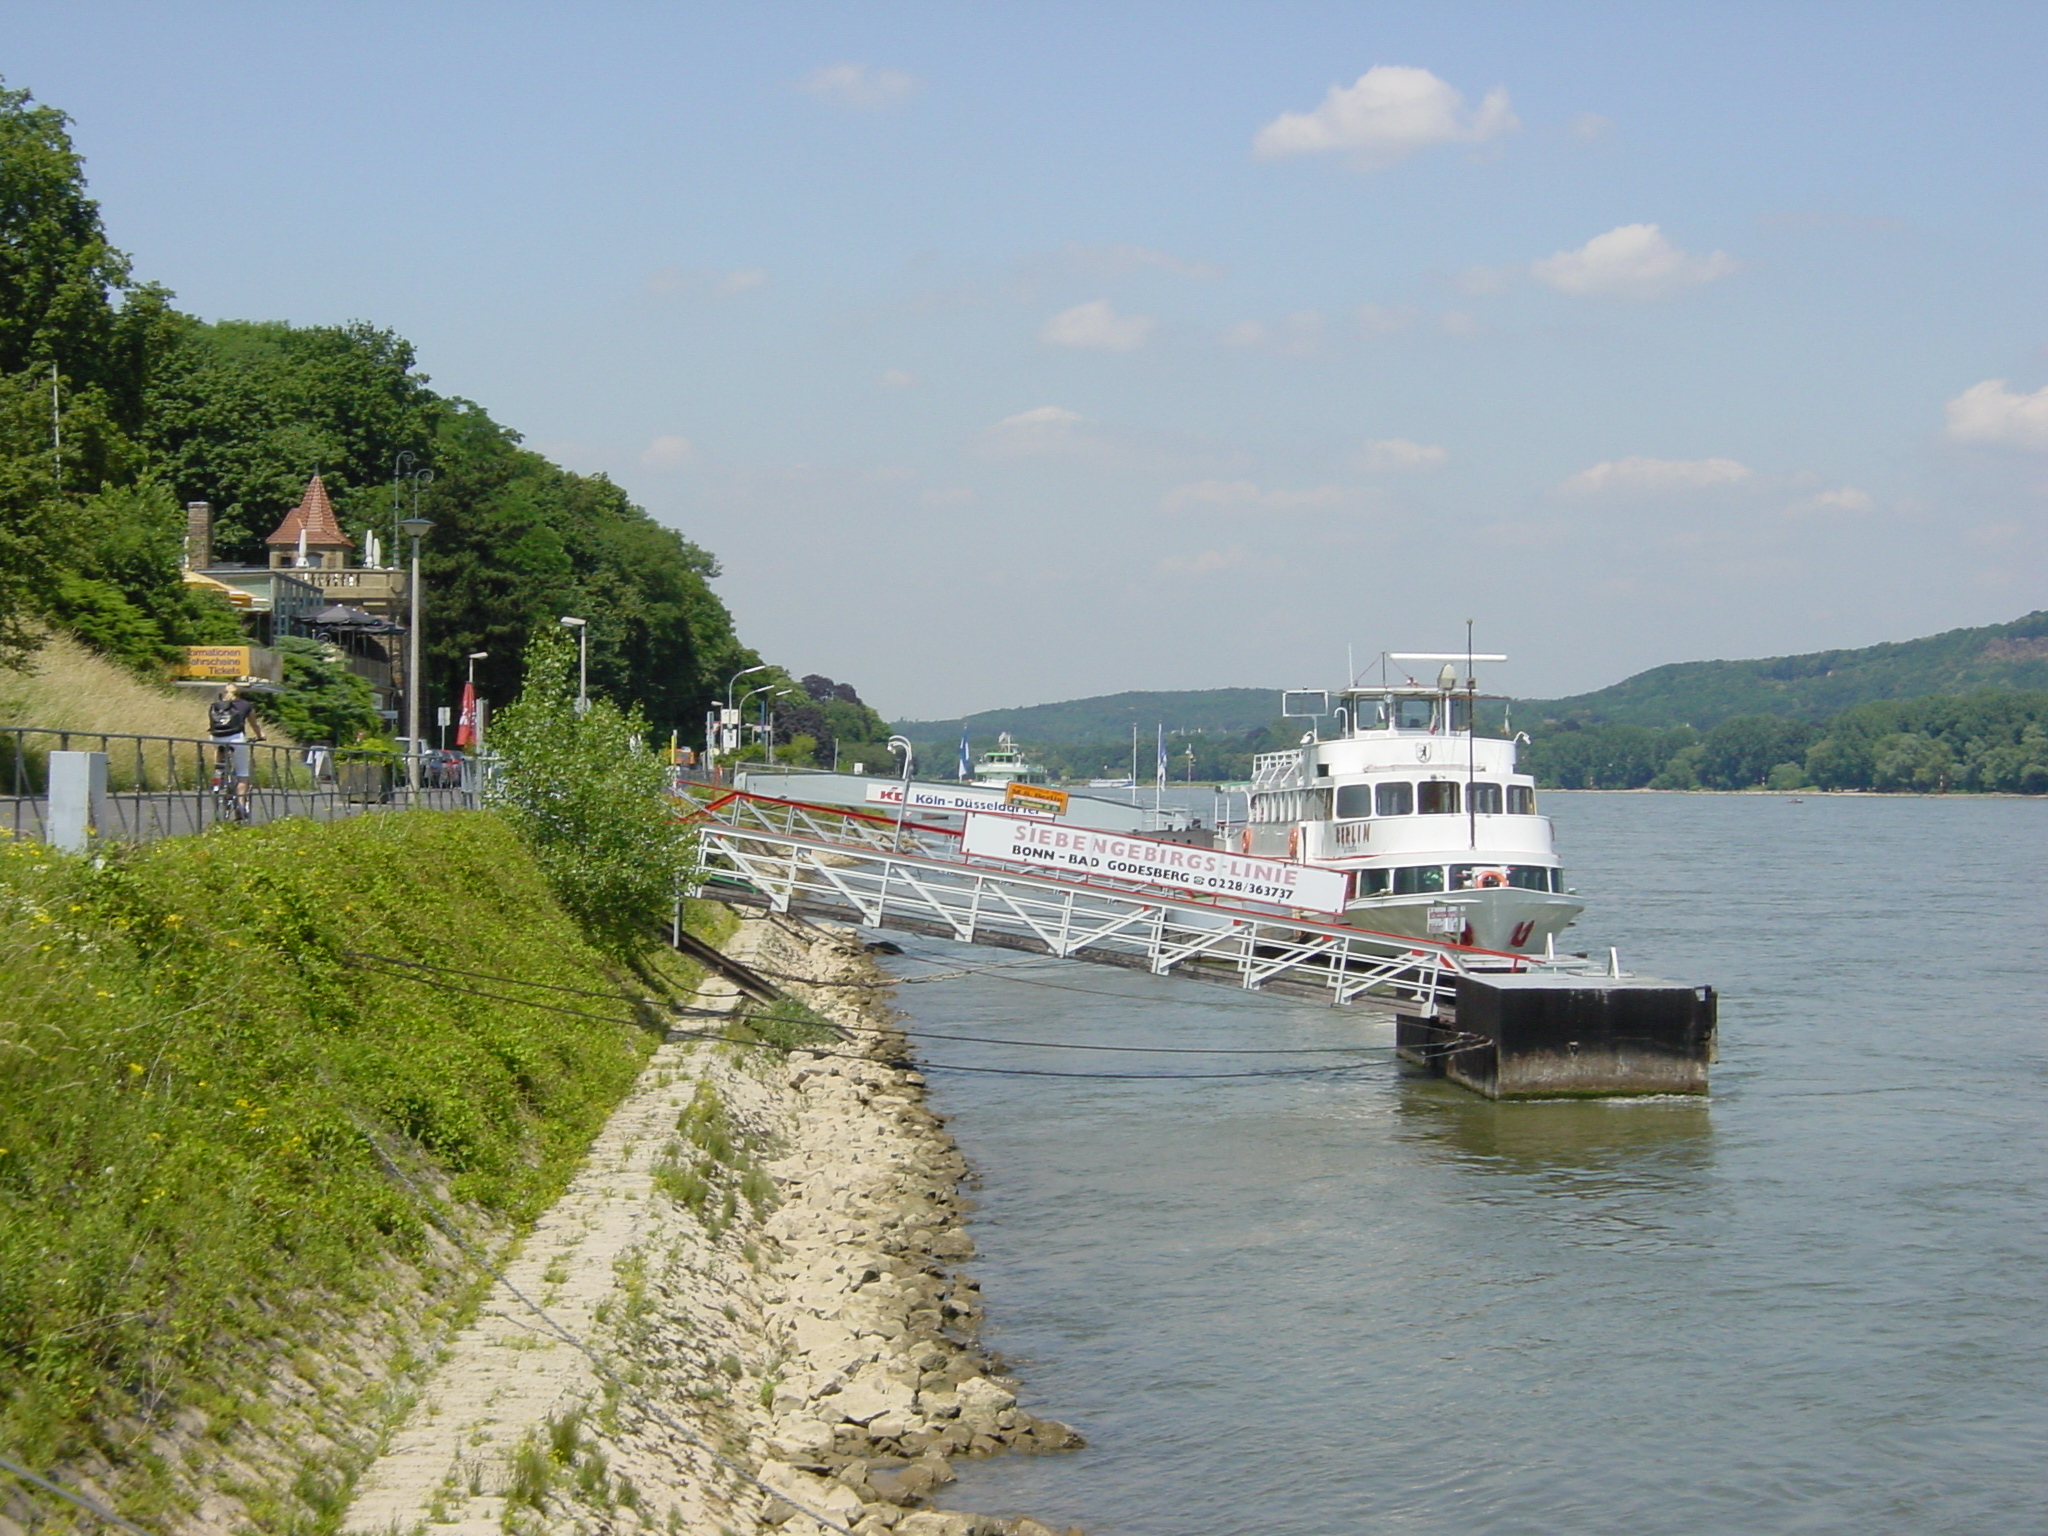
[1590, 127]
[1634, 261]
[1203, 495]
[1043, 429]
[1846, 499]
[1207, 562]
[1481, 282]
[668, 452]
[667, 280]
[1397, 455]
[1991, 413]
[1389, 113]
[1298, 335]
[1637, 475]
[1095, 325]
[1118, 260]
[896, 378]
[861, 86]
[1380, 320]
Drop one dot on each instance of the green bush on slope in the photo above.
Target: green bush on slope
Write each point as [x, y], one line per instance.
[192, 1072]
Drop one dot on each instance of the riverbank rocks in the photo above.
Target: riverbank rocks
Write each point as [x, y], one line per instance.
[763, 1256]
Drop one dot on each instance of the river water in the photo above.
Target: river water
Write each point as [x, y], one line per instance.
[1371, 1302]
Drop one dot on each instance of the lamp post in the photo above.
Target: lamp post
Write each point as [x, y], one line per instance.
[746, 698]
[401, 467]
[474, 658]
[778, 690]
[902, 744]
[414, 527]
[713, 735]
[582, 628]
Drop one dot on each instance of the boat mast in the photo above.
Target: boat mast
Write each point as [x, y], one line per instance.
[1471, 745]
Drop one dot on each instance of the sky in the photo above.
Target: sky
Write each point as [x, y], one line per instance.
[1006, 354]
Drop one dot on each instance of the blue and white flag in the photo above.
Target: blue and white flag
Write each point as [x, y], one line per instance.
[1162, 754]
[966, 766]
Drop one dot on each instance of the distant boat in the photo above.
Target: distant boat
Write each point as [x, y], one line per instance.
[1004, 764]
[1111, 783]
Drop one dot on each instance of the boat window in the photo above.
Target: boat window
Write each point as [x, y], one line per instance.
[1372, 882]
[1353, 800]
[1396, 799]
[1521, 800]
[1439, 797]
[1529, 877]
[1368, 715]
[1419, 881]
[1486, 799]
[1415, 714]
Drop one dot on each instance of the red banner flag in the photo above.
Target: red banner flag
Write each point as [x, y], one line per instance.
[465, 730]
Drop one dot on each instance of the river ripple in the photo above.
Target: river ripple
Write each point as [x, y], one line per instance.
[1305, 1307]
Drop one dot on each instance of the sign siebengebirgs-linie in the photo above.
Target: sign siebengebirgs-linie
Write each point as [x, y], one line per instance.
[1064, 850]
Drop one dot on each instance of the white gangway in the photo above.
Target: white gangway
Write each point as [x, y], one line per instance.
[870, 870]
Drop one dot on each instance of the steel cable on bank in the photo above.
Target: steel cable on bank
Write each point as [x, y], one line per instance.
[371, 962]
[598, 1362]
[71, 1496]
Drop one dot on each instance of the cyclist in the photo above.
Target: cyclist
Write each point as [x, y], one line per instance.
[231, 721]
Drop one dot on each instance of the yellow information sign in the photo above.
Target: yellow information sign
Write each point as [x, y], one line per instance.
[1037, 795]
[226, 662]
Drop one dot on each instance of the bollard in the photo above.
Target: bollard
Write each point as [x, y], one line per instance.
[78, 800]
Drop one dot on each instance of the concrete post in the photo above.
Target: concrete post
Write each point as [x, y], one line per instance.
[78, 800]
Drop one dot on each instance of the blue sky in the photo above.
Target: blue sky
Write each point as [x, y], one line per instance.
[1008, 354]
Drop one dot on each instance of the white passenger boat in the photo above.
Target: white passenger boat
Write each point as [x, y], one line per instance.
[1004, 763]
[1438, 833]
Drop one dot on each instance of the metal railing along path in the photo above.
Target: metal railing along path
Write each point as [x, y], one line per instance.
[159, 786]
[819, 861]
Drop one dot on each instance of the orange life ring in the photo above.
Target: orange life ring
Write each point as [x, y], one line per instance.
[1244, 841]
[1294, 842]
[1490, 879]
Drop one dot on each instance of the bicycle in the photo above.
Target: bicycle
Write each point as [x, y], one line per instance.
[225, 788]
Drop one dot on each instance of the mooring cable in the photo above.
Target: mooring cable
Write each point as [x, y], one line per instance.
[934, 1066]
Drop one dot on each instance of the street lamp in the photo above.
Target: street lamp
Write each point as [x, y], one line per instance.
[714, 734]
[582, 628]
[415, 528]
[902, 744]
[474, 658]
[769, 691]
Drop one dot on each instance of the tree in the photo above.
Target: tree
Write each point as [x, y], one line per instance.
[589, 799]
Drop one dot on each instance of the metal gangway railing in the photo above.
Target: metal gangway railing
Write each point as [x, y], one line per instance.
[161, 786]
[858, 867]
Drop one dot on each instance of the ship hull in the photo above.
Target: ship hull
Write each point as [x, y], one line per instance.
[1515, 921]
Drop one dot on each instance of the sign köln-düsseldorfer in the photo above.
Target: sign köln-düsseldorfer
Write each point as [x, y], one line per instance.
[1058, 849]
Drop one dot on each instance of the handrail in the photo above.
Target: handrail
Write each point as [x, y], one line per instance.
[157, 786]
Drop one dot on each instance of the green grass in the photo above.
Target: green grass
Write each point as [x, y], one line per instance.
[197, 1089]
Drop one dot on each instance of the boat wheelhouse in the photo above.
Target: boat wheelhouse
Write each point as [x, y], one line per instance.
[1437, 831]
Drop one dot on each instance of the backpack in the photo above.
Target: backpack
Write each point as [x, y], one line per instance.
[220, 717]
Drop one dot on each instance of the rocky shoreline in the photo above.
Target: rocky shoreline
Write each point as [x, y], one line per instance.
[761, 1254]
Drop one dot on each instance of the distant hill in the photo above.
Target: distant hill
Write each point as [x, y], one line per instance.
[1109, 717]
[1697, 693]
[1815, 686]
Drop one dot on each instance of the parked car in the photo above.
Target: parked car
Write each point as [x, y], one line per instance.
[442, 769]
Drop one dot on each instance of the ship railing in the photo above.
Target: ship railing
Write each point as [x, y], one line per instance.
[1277, 770]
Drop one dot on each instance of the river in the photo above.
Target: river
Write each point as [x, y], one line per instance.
[1370, 1302]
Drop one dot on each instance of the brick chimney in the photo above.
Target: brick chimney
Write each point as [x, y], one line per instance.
[198, 535]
